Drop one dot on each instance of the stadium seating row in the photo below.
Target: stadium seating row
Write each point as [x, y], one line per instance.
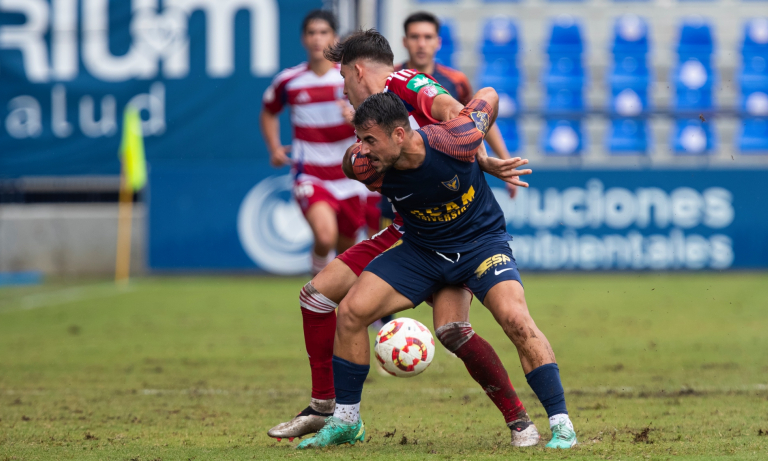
[629, 78]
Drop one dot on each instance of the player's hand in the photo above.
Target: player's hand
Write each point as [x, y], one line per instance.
[279, 157]
[511, 189]
[506, 170]
[347, 111]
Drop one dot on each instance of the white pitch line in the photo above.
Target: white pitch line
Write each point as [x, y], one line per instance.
[68, 295]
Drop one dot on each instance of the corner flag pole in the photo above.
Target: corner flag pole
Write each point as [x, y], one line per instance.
[133, 177]
[124, 221]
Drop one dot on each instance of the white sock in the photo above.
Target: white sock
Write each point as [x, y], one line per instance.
[560, 419]
[319, 262]
[347, 413]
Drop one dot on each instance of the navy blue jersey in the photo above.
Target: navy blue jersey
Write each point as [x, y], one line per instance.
[446, 203]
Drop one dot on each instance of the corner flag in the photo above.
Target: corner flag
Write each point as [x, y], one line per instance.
[132, 150]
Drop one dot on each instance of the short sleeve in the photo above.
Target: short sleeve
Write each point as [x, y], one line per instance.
[408, 84]
[462, 136]
[275, 96]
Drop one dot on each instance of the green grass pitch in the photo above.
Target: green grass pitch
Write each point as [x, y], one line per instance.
[655, 367]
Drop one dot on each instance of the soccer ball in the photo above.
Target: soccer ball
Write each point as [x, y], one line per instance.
[404, 347]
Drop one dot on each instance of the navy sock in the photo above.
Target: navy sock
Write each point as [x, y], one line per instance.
[348, 378]
[545, 382]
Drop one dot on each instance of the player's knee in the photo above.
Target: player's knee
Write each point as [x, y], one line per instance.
[325, 241]
[454, 335]
[351, 315]
[312, 300]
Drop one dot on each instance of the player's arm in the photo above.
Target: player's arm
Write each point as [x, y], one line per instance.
[504, 169]
[359, 168]
[462, 137]
[499, 148]
[445, 107]
[274, 101]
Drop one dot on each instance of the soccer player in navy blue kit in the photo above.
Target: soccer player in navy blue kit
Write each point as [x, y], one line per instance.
[455, 234]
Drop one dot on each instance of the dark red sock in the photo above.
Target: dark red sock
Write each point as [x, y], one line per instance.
[486, 368]
[319, 331]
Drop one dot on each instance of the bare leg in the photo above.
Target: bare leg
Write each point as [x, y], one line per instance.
[322, 219]
[452, 327]
[506, 301]
[371, 298]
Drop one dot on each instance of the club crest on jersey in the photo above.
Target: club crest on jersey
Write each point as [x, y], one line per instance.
[482, 121]
[493, 261]
[452, 184]
[430, 91]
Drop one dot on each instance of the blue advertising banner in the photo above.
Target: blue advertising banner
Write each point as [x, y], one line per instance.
[195, 68]
[206, 215]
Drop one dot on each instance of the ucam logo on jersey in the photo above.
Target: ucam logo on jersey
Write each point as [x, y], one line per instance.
[636, 220]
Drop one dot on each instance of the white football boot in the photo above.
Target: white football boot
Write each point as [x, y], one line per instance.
[524, 432]
[309, 421]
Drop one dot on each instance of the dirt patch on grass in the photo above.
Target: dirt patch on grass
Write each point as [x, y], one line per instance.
[642, 436]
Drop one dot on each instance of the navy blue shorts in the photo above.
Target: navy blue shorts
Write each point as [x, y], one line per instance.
[417, 272]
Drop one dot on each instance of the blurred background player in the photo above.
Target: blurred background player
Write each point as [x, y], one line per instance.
[422, 40]
[332, 204]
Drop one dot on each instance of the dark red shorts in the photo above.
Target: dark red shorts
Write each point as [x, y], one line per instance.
[350, 213]
[373, 212]
[357, 257]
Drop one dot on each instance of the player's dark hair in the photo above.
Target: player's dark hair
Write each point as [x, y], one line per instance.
[362, 44]
[421, 16]
[383, 109]
[322, 15]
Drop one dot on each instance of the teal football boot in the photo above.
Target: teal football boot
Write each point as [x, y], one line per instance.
[336, 432]
[563, 436]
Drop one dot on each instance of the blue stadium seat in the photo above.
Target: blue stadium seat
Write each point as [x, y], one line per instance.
[500, 39]
[565, 75]
[630, 36]
[695, 39]
[629, 102]
[627, 136]
[565, 38]
[510, 133]
[562, 137]
[693, 137]
[693, 83]
[753, 75]
[755, 38]
[755, 103]
[564, 99]
[629, 79]
[753, 137]
[449, 47]
[501, 73]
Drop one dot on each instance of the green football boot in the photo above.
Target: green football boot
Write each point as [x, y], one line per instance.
[336, 432]
[563, 436]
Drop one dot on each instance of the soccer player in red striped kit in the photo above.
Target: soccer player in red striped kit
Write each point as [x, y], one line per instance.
[314, 91]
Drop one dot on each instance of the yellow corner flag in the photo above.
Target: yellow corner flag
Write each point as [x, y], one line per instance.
[132, 150]
[133, 178]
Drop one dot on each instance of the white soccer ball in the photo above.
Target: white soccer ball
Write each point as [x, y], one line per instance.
[404, 347]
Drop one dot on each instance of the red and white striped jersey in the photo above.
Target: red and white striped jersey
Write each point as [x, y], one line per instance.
[320, 133]
[416, 90]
